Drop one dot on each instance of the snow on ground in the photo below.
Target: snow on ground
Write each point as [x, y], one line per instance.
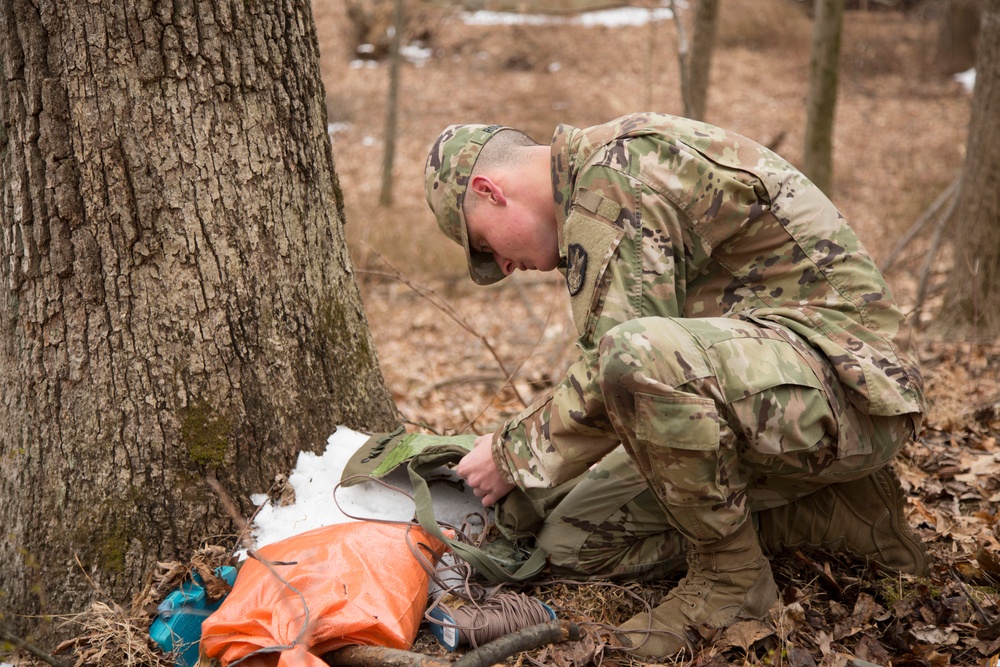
[314, 480]
[611, 18]
[967, 79]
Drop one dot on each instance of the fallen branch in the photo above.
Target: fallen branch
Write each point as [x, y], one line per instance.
[21, 644]
[498, 650]
[527, 639]
[824, 577]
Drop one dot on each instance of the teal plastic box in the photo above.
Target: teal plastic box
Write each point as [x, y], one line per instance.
[177, 626]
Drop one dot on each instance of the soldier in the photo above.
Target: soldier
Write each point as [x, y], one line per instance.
[744, 375]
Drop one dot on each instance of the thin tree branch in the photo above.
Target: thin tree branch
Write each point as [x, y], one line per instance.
[229, 505]
[450, 311]
[932, 252]
[30, 648]
[946, 195]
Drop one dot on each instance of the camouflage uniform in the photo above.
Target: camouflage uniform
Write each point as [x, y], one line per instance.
[735, 338]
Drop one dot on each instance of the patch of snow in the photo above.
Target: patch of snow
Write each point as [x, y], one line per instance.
[416, 54]
[315, 477]
[611, 18]
[967, 79]
[334, 128]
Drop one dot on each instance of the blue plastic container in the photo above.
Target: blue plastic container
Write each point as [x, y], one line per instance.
[177, 626]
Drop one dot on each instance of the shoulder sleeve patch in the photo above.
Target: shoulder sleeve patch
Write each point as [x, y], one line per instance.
[591, 243]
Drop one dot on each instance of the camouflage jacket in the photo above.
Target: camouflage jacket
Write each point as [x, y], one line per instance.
[663, 216]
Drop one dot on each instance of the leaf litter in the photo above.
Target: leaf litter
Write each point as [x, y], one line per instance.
[834, 610]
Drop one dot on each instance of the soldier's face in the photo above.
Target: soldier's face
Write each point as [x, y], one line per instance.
[516, 236]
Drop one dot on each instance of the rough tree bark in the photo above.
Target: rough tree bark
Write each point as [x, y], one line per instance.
[817, 160]
[972, 302]
[177, 303]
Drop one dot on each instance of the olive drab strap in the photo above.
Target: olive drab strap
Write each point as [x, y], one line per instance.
[423, 463]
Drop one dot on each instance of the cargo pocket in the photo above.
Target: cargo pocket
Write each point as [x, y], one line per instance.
[777, 404]
[677, 446]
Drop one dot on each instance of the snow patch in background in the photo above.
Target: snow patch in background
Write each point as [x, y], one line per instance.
[967, 79]
[315, 477]
[611, 18]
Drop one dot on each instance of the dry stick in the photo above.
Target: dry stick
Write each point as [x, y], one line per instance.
[519, 287]
[30, 648]
[232, 510]
[975, 605]
[526, 639]
[942, 224]
[927, 216]
[448, 310]
[498, 650]
[511, 376]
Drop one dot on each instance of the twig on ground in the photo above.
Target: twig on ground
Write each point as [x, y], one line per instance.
[231, 509]
[30, 648]
[526, 639]
[497, 651]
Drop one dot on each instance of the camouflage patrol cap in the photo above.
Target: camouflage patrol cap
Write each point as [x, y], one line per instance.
[446, 175]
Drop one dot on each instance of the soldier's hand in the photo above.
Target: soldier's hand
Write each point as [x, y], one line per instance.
[480, 471]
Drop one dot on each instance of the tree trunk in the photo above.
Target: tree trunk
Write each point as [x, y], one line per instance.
[392, 104]
[700, 59]
[972, 303]
[955, 50]
[177, 302]
[817, 162]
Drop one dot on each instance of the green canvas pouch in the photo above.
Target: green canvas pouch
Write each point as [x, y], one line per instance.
[421, 455]
[384, 452]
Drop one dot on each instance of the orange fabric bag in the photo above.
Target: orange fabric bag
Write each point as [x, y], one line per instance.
[360, 581]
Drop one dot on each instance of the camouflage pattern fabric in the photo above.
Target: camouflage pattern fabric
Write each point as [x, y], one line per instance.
[446, 174]
[665, 223]
[610, 525]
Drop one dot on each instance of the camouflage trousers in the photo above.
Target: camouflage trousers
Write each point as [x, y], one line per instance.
[718, 418]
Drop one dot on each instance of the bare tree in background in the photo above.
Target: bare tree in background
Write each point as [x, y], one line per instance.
[178, 312]
[817, 161]
[699, 62]
[972, 301]
[695, 59]
[392, 104]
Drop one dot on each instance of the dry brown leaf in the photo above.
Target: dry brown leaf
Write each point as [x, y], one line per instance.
[933, 635]
[744, 634]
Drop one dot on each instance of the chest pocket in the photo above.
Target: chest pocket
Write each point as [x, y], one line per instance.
[591, 241]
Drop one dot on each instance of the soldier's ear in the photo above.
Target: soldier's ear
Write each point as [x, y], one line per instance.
[488, 189]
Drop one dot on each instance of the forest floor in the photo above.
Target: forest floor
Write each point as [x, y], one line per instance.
[458, 358]
[448, 348]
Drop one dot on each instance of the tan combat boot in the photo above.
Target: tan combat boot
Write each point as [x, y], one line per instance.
[863, 517]
[726, 580]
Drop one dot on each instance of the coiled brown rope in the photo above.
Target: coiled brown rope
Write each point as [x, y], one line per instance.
[481, 622]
